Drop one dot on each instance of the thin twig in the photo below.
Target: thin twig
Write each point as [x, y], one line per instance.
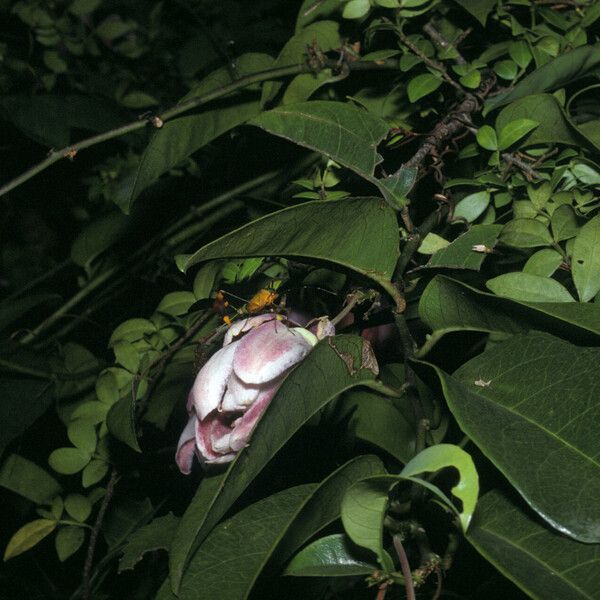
[512, 160]
[439, 39]
[183, 107]
[405, 568]
[89, 559]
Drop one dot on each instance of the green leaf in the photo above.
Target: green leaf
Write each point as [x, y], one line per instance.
[363, 511]
[539, 402]
[563, 223]
[341, 131]
[82, 434]
[525, 233]
[27, 479]
[205, 279]
[68, 540]
[422, 85]
[156, 535]
[94, 471]
[324, 374]
[480, 9]
[327, 231]
[395, 188]
[520, 53]
[246, 540]
[132, 331]
[585, 263]
[356, 9]
[125, 517]
[78, 507]
[558, 72]
[448, 305]
[486, 138]
[99, 235]
[472, 206]
[543, 263]
[515, 130]
[176, 303]
[529, 288]
[543, 563]
[309, 11]
[459, 254]
[507, 69]
[331, 556]
[439, 457]
[431, 244]
[84, 7]
[121, 422]
[68, 460]
[28, 536]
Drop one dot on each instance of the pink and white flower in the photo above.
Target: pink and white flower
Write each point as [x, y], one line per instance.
[236, 385]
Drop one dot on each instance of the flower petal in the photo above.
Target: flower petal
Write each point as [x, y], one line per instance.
[244, 427]
[209, 387]
[268, 351]
[245, 325]
[186, 447]
[239, 395]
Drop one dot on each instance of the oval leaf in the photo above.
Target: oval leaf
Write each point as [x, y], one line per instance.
[525, 233]
[586, 260]
[529, 288]
[28, 536]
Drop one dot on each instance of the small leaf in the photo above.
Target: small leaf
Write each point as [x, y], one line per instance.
[529, 288]
[68, 460]
[563, 223]
[486, 138]
[28, 536]
[507, 69]
[120, 421]
[78, 507]
[27, 479]
[585, 264]
[331, 556]
[132, 331]
[512, 132]
[176, 304]
[472, 206]
[431, 243]
[422, 85]
[82, 435]
[520, 53]
[355, 9]
[68, 540]
[94, 472]
[525, 233]
[543, 263]
[205, 279]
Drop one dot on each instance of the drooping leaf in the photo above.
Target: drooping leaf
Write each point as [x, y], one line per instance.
[245, 540]
[449, 305]
[542, 562]
[327, 231]
[121, 422]
[331, 556]
[27, 479]
[566, 68]
[586, 260]
[156, 535]
[68, 540]
[539, 402]
[529, 288]
[341, 131]
[29, 536]
[422, 85]
[459, 254]
[331, 368]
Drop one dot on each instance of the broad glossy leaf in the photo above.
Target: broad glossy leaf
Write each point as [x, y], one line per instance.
[460, 254]
[579, 62]
[540, 561]
[544, 262]
[156, 535]
[29, 536]
[449, 305]
[486, 137]
[323, 506]
[525, 233]
[439, 457]
[331, 556]
[539, 402]
[27, 479]
[335, 365]
[245, 541]
[339, 130]
[529, 288]
[338, 231]
[585, 263]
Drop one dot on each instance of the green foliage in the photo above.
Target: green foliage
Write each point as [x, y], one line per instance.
[425, 173]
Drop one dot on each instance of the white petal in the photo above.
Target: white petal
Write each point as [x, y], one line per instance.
[239, 395]
[245, 325]
[209, 387]
[186, 447]
[268, 351]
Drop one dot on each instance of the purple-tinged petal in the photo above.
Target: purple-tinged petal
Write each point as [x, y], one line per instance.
[209, 387]
[186, 447]
[245, 325]
[244, 427]
[238, 395]
[268, 351]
